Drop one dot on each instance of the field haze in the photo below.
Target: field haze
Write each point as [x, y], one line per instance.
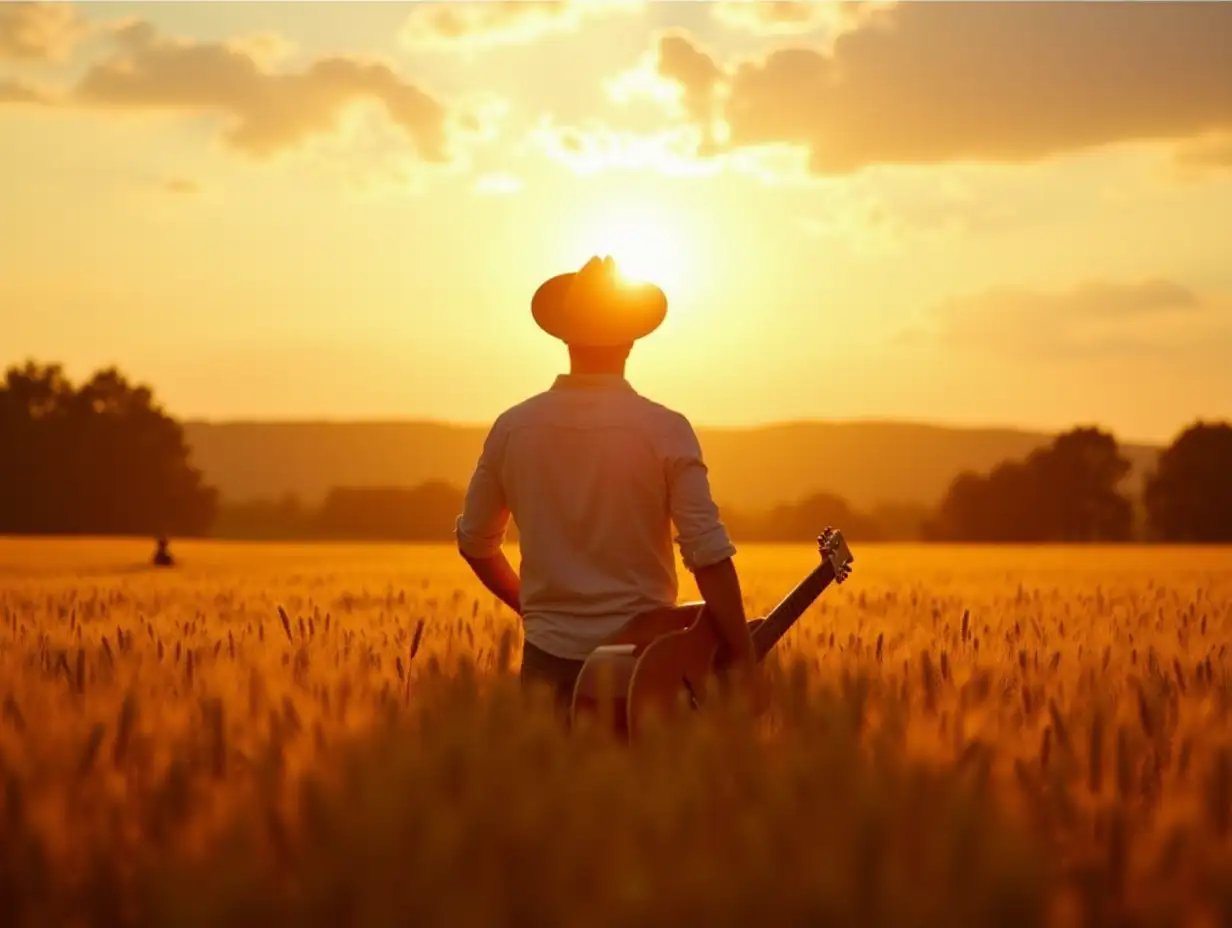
[867, 463]
[968, 736]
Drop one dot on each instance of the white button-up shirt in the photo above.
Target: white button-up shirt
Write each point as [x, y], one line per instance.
[594, 475]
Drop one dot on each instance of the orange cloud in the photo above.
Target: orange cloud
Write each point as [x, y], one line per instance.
[699, 78]
[39, 31]
[268, 111]
[461, 23]
[793, 17]
[1093, 318]
[17, 92]
[934, 83]
[267, 49]
[1210, 152]
[593, 149]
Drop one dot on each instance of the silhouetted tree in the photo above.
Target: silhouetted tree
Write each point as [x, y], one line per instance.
[1188, 497]
[960, 513]
[100, 459]
[265, 519]
[1000, 507]
[1067, 491]
[801, 521]
[899, 521]
[427, 512]
[804, 520]
[1078, 476]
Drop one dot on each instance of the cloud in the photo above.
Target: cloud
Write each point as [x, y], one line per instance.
[267, 111]
[643, 82]
[1094, 318]
[593, 148]
[267, 49]
[794, 17]
[1210, 153]
[930, 83]
[861, 225]
[699, 79]
[39, 32]
[465, 24]
[483, 117]
[17, 92]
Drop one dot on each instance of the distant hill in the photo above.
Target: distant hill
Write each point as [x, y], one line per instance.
[868, 463]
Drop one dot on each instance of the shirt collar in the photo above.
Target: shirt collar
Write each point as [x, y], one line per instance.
[591, 382]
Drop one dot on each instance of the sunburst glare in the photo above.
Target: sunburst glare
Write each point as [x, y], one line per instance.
[645, 243]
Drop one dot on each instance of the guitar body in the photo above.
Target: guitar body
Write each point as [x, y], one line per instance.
[657, 663]
[672, 674]
[602, 687]
[664, 661]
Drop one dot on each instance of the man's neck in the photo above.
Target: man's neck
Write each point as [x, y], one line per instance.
[608, 362]
[610, 370]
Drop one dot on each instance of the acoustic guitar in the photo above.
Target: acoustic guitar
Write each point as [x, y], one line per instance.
[667, 658]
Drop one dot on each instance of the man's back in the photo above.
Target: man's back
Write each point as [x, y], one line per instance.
[595, 475]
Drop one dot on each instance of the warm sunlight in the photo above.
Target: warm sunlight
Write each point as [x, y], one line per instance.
[349, 444]
[372, 207]
[646, 244]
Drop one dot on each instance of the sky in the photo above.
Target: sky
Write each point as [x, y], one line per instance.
[972, 213]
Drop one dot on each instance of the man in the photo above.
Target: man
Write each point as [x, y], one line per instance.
[595, 475]
[162, 557]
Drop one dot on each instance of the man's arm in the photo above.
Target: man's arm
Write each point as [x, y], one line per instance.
[719, 585]
[705, 547]
[501, 580]
[481, 528]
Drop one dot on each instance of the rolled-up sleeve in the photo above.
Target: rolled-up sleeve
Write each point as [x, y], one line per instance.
[701, 535]
[480, 529]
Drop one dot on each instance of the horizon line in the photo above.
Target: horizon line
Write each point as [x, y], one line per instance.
[941, 425]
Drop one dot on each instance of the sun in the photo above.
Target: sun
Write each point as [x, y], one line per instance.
[644, 243]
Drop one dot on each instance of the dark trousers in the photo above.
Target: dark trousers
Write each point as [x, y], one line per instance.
[547, 670]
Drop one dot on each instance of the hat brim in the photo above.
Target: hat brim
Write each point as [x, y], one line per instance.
[616, 317]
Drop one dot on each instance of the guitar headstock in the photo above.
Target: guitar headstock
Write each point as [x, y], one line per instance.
[833, 548]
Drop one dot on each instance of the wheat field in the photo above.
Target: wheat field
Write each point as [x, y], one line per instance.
[958, 736]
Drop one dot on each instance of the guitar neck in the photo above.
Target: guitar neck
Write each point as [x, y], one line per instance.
[783, 616]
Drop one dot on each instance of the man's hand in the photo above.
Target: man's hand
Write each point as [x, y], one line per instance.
[500, 579]
[720, 588]
[745, 678]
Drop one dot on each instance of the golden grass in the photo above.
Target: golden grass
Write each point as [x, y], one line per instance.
[958, 736]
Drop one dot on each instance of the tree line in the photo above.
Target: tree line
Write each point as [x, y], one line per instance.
[1073, 491]
[101, 458]
[427, 512]
[105, 458]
